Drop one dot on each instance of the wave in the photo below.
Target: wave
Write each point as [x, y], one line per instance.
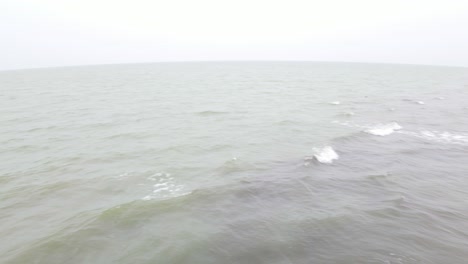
[165, 187]
[235, 165]
[324, 155]
[383, 129]
[413, 101]
[346, 114]
[378, 130]
[438, 136]
[393, 127]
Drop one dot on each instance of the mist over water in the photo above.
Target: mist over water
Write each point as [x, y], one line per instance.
[259, 162]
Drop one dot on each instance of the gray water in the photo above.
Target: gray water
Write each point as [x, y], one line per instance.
[271, 162]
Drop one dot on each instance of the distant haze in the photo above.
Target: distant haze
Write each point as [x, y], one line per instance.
[58, 33]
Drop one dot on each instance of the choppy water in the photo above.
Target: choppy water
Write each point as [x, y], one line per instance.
[234, 163]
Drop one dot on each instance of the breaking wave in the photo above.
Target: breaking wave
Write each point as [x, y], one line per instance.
[383, 129]
[165, 187]
[325, 155]
[439, 136]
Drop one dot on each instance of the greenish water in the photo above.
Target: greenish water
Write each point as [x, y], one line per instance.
[260, 162]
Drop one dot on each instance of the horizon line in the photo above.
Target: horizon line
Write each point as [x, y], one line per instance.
[227, 61]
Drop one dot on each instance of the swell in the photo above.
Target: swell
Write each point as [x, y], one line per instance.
[376, 180]
[281, 202]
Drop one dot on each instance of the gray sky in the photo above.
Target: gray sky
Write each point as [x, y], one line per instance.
[43, 33]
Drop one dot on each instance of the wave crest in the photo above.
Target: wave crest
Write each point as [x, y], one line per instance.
[383, 129]
[438, 136]
[325, 155]
[165, 187]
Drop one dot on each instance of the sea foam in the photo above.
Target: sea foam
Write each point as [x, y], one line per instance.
[165, 187]
[325, 155]
[383, 129]
[440, 136]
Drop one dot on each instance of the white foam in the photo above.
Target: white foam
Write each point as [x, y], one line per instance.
[325, 155]
[440, 136]
[378, 130]
[420, 102]
[122, 176]
[335, 103]
[345, 123]
[383, 129]
[165, 187]
[156, 176]
[387, 129]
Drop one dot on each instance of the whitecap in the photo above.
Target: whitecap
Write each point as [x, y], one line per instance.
[383, 129]
[378, 130]
[420, 102]
[157, 176]
[335, 103]
[325, 155]
[166, 187]
[147, 198]
[344, 123]
[440, 136]
[122, 175]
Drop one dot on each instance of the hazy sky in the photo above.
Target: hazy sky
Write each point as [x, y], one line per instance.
[41, 33]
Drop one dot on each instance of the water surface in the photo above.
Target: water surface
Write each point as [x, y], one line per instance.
[260, 162]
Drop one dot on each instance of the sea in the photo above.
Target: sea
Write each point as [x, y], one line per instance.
[234, 162]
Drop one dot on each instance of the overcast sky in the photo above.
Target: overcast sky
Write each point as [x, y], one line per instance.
[43, 33]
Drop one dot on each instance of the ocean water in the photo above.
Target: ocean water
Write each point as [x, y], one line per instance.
[234, 162]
